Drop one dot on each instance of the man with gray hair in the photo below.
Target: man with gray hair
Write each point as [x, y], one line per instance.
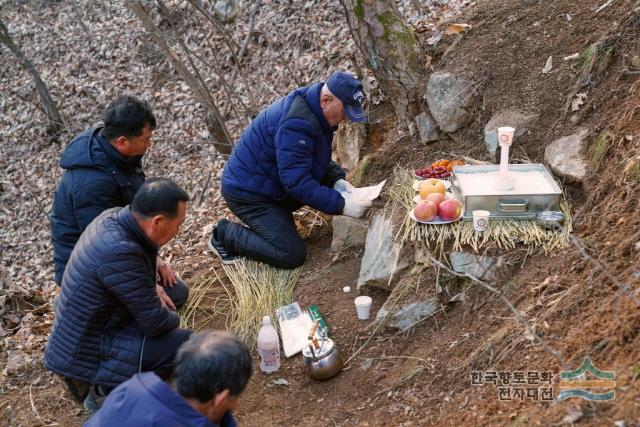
[212, 369]
[282, 162]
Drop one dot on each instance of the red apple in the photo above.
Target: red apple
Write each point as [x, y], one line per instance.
[436, 198]
[449, 210]
[425, 211]
[431, 185]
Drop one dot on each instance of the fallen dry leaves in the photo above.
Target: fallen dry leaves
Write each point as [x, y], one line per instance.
[88, 53]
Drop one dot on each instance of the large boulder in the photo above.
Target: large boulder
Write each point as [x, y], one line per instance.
[348, 140]
[450, 99]
[480, 267]
[427, 128]
[564, 156]
[348, 232]
[407, 315]
[515, 119]
[382, 257]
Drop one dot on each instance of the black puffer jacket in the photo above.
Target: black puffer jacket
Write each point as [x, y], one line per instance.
[107, 303]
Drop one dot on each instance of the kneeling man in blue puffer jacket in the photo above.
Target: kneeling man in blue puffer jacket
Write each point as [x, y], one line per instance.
[112, 319]
[282, 162]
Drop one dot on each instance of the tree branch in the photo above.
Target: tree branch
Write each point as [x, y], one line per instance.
[215, 123]
[247, 38]
[51, 110]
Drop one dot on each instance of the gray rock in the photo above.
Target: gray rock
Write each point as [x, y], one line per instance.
[449, 100]
[481, 267]
[348, 139]
[380, 255]
[565, 158]
[427, 128]
[407, 315]
[348, 232]
[226, 10]
[520, 121]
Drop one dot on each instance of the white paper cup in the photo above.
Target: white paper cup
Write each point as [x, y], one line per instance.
[505, 135]
[363, 306]
[480, 220]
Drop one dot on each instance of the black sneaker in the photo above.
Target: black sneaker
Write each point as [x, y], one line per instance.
[78, 389]
[218, 249]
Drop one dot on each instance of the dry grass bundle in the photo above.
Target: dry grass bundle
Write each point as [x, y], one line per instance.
[400, 190]
[258, 289]
[500, 234]
[598, 150]
[594, 60]
[591, 64]
[205, 302]
[360, 172]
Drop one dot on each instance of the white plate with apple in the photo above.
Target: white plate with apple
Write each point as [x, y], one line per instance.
[428, 212]
[418, 199]
[416, 183]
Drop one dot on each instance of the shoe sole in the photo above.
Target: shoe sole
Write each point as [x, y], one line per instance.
[215, 251]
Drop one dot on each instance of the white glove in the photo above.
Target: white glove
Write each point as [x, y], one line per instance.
[342, 186]
[355, 208]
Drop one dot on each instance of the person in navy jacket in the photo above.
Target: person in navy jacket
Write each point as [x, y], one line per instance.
[212, 369]
[113, 320]
[282, 162]
[103, 169]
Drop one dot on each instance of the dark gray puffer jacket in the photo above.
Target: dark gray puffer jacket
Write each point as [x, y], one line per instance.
[108, 303]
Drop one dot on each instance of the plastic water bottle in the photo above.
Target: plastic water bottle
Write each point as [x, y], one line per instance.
[268, 347]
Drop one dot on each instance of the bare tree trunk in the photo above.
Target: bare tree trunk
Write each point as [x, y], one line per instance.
[49, 106]
[233, 48]
[252, 20]
[213, 119]
[391, 52]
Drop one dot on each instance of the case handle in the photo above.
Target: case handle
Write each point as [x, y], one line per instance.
[515, 205]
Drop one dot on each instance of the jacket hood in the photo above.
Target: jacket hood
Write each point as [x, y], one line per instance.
[90, 149]
[147, 400]
[313, 100]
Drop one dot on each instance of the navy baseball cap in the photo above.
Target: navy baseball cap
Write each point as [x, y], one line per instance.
[348, 89]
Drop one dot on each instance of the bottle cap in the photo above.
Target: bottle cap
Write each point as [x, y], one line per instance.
[266, 320]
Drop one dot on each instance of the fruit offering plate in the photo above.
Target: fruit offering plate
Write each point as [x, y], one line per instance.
[441, 169]
[445, 175]
[416, 184]
[437, 220]
[418, 199]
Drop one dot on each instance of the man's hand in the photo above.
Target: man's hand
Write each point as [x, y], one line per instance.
[164, 298]
[354, 208]
[343, 186]
[166, 275]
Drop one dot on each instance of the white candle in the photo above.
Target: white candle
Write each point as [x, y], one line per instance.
[505, 138]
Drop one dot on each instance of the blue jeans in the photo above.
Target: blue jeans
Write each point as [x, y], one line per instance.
[270, 236]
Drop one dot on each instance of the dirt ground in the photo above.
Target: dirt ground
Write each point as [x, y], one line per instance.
[582, 301]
